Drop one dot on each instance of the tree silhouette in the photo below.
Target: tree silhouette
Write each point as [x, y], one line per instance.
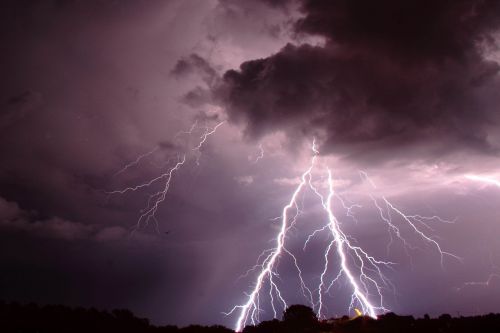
[33, 318]
[300, 318]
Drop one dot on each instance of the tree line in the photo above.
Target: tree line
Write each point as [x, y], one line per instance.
[33, 318]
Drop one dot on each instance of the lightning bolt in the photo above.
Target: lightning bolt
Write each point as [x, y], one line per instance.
[206, 134]
[156, 198]
[148, 213]
[363, 272]
[203, 139]
[411, 221]
[344, 246]
[249, 311]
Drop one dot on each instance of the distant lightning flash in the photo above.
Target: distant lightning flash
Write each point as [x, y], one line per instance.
[260, 156]
[363, 272]
[154, 200]
[189, 131]
[484, 179]
[203, 138]
[495, 275]
[136, 161]
[206, 134]
[486, 283]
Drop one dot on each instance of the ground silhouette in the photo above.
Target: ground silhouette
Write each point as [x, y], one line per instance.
[33, 318]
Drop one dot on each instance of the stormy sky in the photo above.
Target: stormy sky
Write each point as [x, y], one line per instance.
[406, 91]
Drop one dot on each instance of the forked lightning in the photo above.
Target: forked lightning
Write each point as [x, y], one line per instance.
[363, 272]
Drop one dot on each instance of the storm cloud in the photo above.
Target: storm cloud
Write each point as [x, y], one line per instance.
[101, 96]
[390, 75]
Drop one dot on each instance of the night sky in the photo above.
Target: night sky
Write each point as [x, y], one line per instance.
[406, 91]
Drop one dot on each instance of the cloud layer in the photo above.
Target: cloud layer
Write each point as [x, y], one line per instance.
[390, 75]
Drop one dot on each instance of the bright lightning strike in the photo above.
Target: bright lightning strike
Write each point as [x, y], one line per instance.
[250, 310]
[363, 272]
[343, 245]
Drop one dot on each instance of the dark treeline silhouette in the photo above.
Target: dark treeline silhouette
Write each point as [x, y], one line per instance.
[301, 319]
[32, 318]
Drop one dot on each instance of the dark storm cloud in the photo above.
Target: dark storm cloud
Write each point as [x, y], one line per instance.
[276, 3]
[416, 31]
[206, 117]
[272, 3]
[197, 97]
[391, 74]
[196, 64]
